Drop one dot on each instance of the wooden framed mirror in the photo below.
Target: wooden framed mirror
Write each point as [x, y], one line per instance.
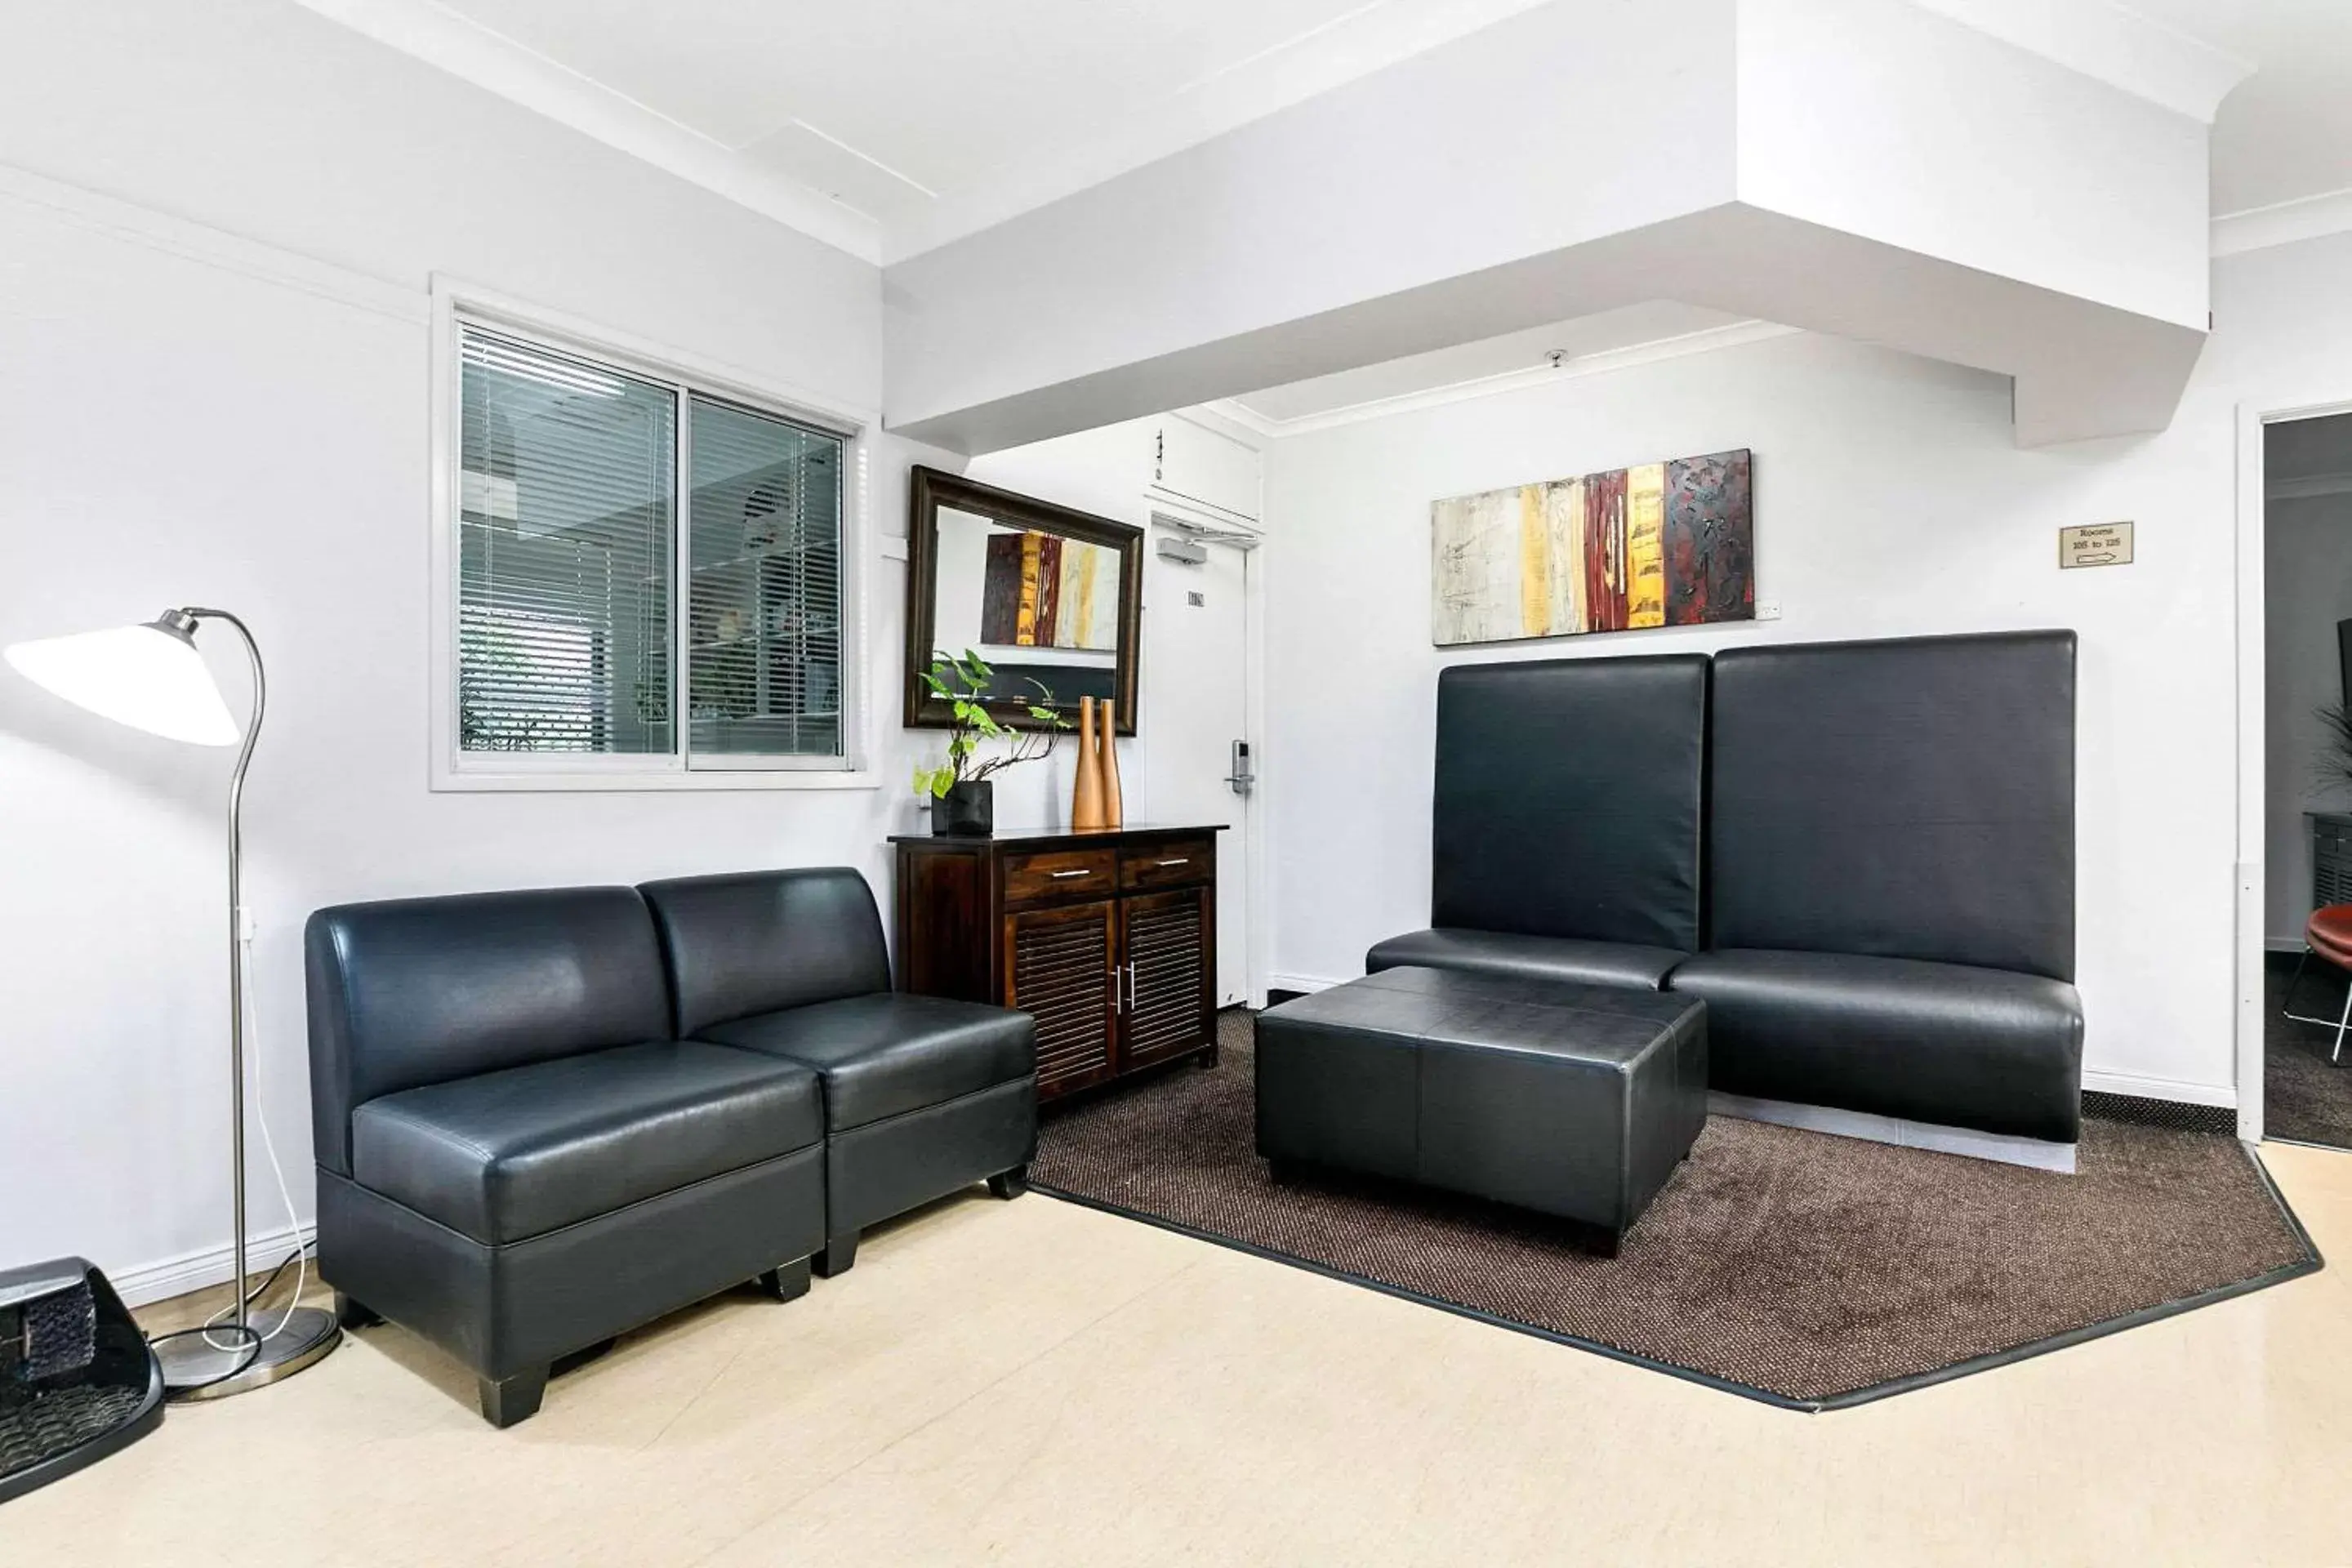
[1044, 594]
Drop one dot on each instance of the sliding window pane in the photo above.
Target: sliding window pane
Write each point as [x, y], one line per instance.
[565, 554]
[763, 651]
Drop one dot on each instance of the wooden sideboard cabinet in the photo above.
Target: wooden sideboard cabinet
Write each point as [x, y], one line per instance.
[1108, 938]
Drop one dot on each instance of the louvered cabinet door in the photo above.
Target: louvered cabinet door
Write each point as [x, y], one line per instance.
[1058, 966]
[1167, 944]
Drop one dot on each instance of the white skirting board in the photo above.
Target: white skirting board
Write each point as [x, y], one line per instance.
[213, 1266]
[2038, 1153]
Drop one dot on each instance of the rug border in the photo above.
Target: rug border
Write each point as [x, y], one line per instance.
[2311, 1263]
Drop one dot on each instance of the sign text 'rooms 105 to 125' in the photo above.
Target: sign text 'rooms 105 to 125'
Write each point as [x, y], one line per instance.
[2095, 545]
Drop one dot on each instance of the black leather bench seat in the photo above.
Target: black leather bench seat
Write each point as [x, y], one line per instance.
[1574, 1100]
[887, 1053]
[507, 1155]
[1571, 960]
[1951, 1044]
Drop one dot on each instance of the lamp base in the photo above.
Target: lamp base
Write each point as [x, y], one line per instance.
[195, 1369]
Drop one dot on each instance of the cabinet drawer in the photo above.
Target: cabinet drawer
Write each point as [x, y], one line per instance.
[1178, 863]
[1060, 874]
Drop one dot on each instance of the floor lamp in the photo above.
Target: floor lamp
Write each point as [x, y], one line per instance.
[151, 677]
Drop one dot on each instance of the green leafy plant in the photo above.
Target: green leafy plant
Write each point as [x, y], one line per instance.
[963, 683]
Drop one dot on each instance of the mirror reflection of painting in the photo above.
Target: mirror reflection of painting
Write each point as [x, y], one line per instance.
[1034, 605]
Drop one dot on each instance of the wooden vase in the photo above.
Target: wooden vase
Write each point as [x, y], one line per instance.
[1107, 743]
[1087, 798]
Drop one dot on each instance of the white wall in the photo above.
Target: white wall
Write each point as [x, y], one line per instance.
[2307, 547]
[1890, 501]
[186, 418]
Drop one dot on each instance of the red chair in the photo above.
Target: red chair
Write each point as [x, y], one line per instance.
[2328, 933]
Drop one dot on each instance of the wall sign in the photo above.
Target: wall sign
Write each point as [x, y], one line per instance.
[2094, 544]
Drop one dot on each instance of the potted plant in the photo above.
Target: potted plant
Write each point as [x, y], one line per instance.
[962, 798]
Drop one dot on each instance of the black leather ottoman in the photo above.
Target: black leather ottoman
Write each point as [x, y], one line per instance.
[1574, 1100]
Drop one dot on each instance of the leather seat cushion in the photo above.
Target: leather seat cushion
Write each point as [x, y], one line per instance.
[2329, 932]
[888, 1053]
[1944, 1043]
[1567, 959]
[516, 1154]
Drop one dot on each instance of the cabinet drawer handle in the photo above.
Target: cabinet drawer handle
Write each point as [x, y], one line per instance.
[1181, 861]
[1062, 876]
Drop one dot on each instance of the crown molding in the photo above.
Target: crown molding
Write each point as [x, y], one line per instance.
[1608, 360]
[2282, 222]
[497, 64]
[2113, 43]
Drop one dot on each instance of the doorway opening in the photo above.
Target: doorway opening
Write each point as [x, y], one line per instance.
[2306, 796]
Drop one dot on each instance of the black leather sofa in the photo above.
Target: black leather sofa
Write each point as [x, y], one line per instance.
[1883, 915]
[521, 1153]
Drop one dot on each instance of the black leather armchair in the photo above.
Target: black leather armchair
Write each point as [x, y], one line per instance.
[517, 1159]
[922, 1094]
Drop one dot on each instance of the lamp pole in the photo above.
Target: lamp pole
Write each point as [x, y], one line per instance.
[193, 1366]
[190, 616]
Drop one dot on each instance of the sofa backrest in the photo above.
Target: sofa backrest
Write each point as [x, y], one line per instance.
[755, 941]
[412, 992]
[1912, 798]
[1568, 798]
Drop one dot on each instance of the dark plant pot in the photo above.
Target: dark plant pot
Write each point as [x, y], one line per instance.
[967, 809]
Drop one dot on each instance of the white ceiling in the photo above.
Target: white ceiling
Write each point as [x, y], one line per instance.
[926, 119]
[2285, 135]
[891, 126]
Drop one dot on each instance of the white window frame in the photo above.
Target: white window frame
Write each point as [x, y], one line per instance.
[452, 768]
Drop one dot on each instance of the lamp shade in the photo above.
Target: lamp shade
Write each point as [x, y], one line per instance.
[148, 676]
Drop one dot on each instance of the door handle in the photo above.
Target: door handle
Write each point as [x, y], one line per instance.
[1243, 777]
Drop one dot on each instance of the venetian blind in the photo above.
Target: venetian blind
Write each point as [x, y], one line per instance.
[763, 649]
[566, 551]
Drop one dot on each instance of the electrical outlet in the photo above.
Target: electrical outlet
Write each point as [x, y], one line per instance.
[1768, 609]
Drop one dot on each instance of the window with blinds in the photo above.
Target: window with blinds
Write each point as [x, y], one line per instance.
[764, 653]
[629, 547]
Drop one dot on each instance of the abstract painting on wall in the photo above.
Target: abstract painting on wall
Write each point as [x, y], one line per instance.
[1042, 591]
[1666, 544]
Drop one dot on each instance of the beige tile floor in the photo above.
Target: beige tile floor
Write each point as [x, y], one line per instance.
[1037, 1383]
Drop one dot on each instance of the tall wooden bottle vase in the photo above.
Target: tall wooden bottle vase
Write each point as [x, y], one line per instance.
[1095, 801]
[1107, 748]
[1087, 798]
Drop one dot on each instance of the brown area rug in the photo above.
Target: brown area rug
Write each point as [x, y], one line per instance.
[1794, 1266]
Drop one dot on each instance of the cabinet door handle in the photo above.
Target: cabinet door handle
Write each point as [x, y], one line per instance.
[1180, 860]
[1065, 876]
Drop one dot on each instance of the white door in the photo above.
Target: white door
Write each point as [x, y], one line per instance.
[1194, 707]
